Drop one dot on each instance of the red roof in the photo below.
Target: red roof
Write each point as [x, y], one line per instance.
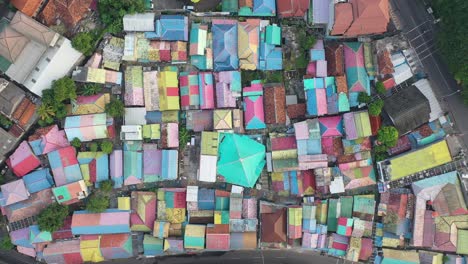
[28, 7]
[296, 110]
[385, 63]
[376, 123]
[275, 103]
[343, 18]
[274, 226]
[389, 83]
[292, 8]
[334, 57]
[283, 143]
[369, 17]
[65, 231]
[70, 12]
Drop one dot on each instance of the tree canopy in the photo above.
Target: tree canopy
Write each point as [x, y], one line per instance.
[51, 219]
[388, 136]
[364, 98]
[93, 147]
[115, 108]
[97, 203]
[107, 147]
[6, 243]
[111, 12]
[452, 38]
[76, 142]
[84, 42]
[106, 186]
[64, 89]
[380, 87]
[375, 108]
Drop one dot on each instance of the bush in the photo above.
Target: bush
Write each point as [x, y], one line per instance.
[76, 142]
[106, 186]
[84, 42]
[63, 89]
[6, 243]
[5, 122]
[111, 12]
[91, 89]
[375, 108]
[184, 137]
[388, 136]
[107, 147]
[93, 147]
[380, 88]
[364, 98]
[97, 203]
[273, 77]
[115, 108]
[51, 219]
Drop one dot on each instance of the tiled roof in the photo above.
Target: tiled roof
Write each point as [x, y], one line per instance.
[30, 207]
[70, 12]
[275, 102]
[292, 8]
[385, 63]
[343, 18]
[12, 43]
[335, 60]
[28, 7]
[274, 226]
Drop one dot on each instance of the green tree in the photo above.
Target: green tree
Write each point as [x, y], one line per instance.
[364, 98]
[6, 243]
[93, 147]
[302, 62]
[76, 142]
[115, 108]
[375, 108]
[106, 186]
[184, 136]
[5, 122]
[388, 136]
[51, 219]
[306, 41]
[84, 42]
[60, 111]
[91, 89]
[97, 203]
[46, 122]
[64, 89]
[380, 88]
[46, 111]
[111, 12]
[107, 147]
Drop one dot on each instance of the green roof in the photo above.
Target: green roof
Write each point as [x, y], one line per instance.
[332, 220]
[230, 6]
[462, 241]
[241, 159]
[209, 141]
[273, 35]
[4, 64]
[346, 209]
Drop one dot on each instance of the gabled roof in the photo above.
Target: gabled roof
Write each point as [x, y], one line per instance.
[225, 45]
[69, 12]
[13, 192]
[292, 8]
[28, 7]
[385, 63]
[64, 165]
[94, 166]
[47, 139]
[38, 180]
[172, 27]
[90, 104]
[248, 37]
[335, 59]
[139, 22]
[86, 127]
[111, 221]
[10, 97]
[30, 207]
[274, 226]
[343, 18]
[67, 251]
[70, 193]
[23, 160]
[143, 214]
[254, 116]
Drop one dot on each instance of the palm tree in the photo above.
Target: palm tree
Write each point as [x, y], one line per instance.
[46, 111]
[91, 89]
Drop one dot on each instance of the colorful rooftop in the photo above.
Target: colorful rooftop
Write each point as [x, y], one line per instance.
[225, 45]
[70, 193]
[86, 127]
[38, 180]
[23, 160]
[143, 214]
[64, 166]
[254, 116]
[94, 167]
[111, 221]
[13, 192]
[172, 27]
[47, 139]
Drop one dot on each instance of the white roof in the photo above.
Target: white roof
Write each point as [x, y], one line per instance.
[139, 22]
[129, 48]
[424, 86]
[207, 171]
[402, 73]
[135, 116]
[131, 133]
[192, 194]
[337, 185]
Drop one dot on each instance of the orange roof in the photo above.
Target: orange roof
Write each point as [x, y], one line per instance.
[248, 3]
[370, 17]
[341, 84]
[343, 18]
[385, 63]
[28, 7]
[70, 12]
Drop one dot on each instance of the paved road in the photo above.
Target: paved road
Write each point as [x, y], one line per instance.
[244, 257]
[417, 24]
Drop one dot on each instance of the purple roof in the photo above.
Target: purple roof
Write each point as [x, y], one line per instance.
[116, 168]
[321, 68]
[13, 192]
[320, 11]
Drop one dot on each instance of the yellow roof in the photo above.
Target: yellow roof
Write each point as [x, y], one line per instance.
[152, 131]
[123, 203]
[90, 250]
[429, 157]
[96, 75]
[209, 143]
[168, 79]
[222, 119]
[93, 107]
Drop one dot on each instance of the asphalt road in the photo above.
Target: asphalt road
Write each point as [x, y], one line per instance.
[244, 257]
[420, 30]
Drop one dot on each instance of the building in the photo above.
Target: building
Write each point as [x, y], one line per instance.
[69, 13]
[275, 101]
[97, 75]
[270, 55]
[361, 17]
[29, 207]
[228, 88]
[168, 86]
[92, 104]
[134, 86]
[189, 90]
[407, 110]
[292, 8]
[356, 74]
[116, 246]
[273, 224]
[64, 166]
[143, 206]
[138, 22]
[13, 192]
[116, 168]
[38, 180]
[111, 221]
[23, 160]
[254, 116]
[94, 167]
[70, 193]
[28, 7]
[248, 46]
[10, 97]
[67, 251]
[86, 127]
[48, 139]
[172, 28]
[206, 87]
[257, 8]
[225, 45]
[35, 55]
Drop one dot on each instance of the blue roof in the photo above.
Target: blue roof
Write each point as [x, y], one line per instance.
[38, 180]
[225, 56]
[36, 146]
[153, 117]
[311, 102]
[270, 57]
[172, 27]
[169, 164]
[199, 61]
[264, 7]
[206, 199]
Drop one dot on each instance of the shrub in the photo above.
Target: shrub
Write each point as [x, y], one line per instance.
[6, 243]
[97, 203]
[106, 186]
[375, 108]
[364, 98]
[51, 219]
[115, 108]
[76, 142]
[107, 147]
[380, 88]
[93, 147]
[388, 136]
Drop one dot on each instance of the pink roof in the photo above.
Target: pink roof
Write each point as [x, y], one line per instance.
[172, 135]
[23, 160]
[254, 108]
[321, 68]
[283, 143]
[97, 219]
[224, 96]
[292, 8]
[54, 139]
[88, 99]
[301, 130]
[116, 166]
[331, 124]
[352, 58]
[26, 251]
[312, 69]
[94, 61]
[14, 192]
[349, 126]
[321, 101]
